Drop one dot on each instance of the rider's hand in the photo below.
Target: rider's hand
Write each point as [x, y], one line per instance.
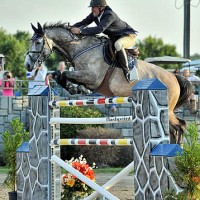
[75, 30]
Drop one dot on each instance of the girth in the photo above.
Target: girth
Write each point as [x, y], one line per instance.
[104, 87]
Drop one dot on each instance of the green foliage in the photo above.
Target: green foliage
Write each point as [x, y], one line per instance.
[14, 48]
[4, 170]
[188, 165]
[70, 131]
[118, 156]
[155, 47]
[80, 189]
[197, 73]
[53, 60]
[196, 56]
[11, 141]
[109, 170]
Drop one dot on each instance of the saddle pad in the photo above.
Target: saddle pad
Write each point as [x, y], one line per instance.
[132, 64]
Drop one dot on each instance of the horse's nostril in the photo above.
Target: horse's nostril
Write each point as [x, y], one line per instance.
[28, 67]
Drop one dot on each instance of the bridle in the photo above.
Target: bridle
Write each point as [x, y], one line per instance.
[41, 53]
[46, 46]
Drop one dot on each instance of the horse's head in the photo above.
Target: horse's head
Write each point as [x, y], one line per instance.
[40, 48]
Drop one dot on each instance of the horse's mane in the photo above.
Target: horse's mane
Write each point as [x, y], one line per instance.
[59, 24]
[66, 25]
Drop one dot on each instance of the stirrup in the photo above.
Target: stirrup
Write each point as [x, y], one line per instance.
[127, 76]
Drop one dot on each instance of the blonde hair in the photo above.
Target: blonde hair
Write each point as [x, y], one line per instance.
[8, 73]
[62, 63]
[186, 72]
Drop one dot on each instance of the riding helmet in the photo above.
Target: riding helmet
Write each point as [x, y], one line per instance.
[98, 3]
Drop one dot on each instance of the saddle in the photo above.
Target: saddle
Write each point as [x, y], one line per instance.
[110, 58]
[109, 53]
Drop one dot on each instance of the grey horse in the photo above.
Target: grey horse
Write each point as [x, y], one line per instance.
[91, 70]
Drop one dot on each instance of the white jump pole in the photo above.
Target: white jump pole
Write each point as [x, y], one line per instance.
[113, 181]
[105, 120]
[83, 178]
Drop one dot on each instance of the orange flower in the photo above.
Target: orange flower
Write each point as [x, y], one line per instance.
[71, 182]
[195, 179]
[85, 169]
[64, 176]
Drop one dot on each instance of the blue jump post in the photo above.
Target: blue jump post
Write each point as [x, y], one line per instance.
[151, 141]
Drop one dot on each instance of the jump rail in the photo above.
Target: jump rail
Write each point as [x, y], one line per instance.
[103, 120]
[116, 179]
[90, 142]
[88, 102]
[83, 178]
[150, 128]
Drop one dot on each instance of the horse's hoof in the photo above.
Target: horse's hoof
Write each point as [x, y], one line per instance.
[83, 89]
[176, 134]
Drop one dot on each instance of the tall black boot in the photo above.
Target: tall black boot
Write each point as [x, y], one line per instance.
[123, 63]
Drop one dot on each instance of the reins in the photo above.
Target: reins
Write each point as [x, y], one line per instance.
[74, 37]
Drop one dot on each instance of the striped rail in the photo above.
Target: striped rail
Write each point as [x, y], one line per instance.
[90, 142]
[88, 102]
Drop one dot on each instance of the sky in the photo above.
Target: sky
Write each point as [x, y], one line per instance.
[158, 18]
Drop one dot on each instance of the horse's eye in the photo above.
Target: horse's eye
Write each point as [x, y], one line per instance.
[38, 42]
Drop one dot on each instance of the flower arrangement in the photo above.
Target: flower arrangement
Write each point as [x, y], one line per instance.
[73, 188]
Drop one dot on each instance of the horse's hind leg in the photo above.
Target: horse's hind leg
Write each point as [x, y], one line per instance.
[177, 128]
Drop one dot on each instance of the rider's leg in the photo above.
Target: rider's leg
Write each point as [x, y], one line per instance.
[120, 45]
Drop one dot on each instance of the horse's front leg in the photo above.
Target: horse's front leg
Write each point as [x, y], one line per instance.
[83, 76]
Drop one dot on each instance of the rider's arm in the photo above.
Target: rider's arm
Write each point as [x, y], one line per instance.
[106, 20]
[88, 20]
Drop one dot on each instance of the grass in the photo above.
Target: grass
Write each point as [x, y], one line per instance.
[107, 170]
[3, 170]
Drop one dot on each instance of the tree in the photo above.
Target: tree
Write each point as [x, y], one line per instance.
[196, 56]
[53, 60]
[155, 47]
[14, 48]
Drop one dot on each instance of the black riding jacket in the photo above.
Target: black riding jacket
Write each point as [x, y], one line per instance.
[109, 24]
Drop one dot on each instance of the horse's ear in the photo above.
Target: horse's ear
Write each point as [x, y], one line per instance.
[40, 29]
[34, 28]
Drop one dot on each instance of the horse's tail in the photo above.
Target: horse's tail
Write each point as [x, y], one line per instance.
[185, 90]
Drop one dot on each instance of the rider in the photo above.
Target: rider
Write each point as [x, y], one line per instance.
[110, 24]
